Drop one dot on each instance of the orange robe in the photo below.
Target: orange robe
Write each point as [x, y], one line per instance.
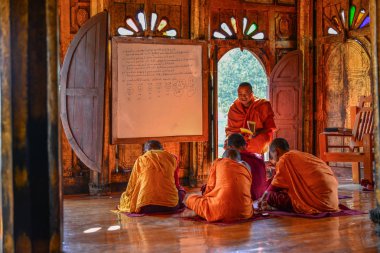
[260, 111]
[151, 182]
[309, 181]
[227, 195]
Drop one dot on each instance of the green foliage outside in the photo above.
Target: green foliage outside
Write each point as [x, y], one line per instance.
[235, 67]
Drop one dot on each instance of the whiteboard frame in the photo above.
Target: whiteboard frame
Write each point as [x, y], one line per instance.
[115, 96]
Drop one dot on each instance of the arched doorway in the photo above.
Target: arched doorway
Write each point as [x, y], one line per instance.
[234, 67]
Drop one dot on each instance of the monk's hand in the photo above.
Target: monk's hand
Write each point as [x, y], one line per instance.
[262, 202]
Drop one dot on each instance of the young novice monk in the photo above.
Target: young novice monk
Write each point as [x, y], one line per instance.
[255, 161]
[303, 183]
[153, 185]
[228, 192]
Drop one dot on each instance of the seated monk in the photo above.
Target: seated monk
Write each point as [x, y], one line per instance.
[255, 161]
[227, 195]
[303, 183]
[248, 108]
[154, 185]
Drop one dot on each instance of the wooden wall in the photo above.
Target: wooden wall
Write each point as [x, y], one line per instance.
[343, 62]
[195, 19]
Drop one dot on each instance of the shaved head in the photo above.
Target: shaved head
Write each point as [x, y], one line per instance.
[152, 145]
[279, 143]
[236, 140]
[245, 85]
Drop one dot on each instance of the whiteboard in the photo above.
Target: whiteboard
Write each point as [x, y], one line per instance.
[158, 90]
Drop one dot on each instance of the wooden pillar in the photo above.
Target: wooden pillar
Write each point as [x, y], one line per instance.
[54, 168]
[30, 207]
[305, 44]
[6, 176]
[375, 39]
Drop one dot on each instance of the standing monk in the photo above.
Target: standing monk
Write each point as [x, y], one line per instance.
[227, 195]
[248, 108]
[303, 183]
[256, 163]
[154, 184]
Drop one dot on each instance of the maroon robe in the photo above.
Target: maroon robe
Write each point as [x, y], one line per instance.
[259, 182]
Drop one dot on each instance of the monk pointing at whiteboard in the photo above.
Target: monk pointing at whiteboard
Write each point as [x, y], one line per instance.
[254, 114]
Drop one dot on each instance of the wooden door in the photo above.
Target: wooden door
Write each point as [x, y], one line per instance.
[82, 91]
[286, 97]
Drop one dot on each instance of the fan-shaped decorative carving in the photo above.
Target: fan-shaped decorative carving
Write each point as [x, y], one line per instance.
[138, 25]
[249, 30]
[352, 19]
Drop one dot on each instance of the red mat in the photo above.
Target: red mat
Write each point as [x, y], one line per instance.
[344, 211]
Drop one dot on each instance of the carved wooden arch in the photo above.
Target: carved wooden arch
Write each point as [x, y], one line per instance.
[343, 86]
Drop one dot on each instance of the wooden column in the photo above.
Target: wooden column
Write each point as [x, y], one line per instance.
[375, 39]
[6, 176]
[305, 44]
[30, 203]
[54, 168]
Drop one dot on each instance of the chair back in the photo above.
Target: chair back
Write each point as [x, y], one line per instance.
[364, 122]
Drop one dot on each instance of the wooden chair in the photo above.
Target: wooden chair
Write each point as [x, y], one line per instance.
[360, 147]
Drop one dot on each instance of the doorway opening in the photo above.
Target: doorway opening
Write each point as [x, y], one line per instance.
[235, 67]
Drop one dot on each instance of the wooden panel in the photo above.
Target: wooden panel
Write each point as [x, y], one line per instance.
[127, 155]
[347, 78]
[290, 2]
[285, 102]
[84, 69]
[289, 132]
[260, 1]
[286, 25]
[285, 94]
[79, 13]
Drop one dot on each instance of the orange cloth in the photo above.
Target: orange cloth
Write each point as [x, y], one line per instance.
[151, 182]
[310, 182]
[260, 111]
[227, 195]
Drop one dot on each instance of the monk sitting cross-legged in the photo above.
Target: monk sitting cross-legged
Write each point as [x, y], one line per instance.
[303, 183]
[255, 161]
[154, 185]
[227, 195]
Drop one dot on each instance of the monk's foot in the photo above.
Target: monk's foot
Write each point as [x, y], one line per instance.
[367, 185]
[266, 207]
[369, 188]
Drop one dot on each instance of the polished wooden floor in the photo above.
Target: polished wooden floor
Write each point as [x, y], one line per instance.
[89, 226]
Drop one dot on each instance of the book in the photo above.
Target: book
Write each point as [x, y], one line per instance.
[338, 130]
[251, 126]
[245, 131]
